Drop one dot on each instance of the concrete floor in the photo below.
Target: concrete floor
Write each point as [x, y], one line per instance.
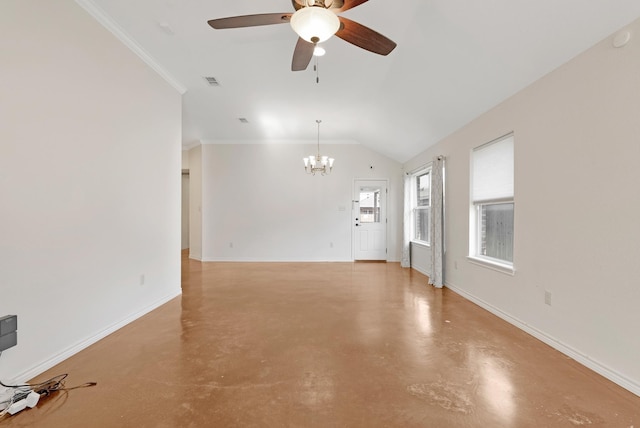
[324, 345]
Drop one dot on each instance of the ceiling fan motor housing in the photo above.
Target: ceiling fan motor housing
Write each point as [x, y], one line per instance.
[321, 3]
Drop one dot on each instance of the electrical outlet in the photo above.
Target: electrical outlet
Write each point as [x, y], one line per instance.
[28, 399]
[230, 244]
[547, 297]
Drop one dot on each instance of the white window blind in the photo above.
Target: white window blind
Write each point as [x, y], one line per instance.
[492, 166]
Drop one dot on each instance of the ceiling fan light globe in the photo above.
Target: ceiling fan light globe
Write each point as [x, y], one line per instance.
[315, 24]
[319, 51]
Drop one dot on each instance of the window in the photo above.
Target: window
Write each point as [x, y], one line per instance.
[421, 201]
[491, 239]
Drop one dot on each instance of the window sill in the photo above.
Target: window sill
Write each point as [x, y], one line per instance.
[492, 264]
[421, 244]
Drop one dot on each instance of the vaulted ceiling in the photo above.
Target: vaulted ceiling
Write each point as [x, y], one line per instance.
[455, 59]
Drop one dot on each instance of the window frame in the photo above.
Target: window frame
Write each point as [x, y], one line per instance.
[415, 207]
[475, 227]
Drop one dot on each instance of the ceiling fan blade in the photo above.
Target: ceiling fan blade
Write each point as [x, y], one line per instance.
[302, 55]
[364, 37]
[348, 4]
[250, 20]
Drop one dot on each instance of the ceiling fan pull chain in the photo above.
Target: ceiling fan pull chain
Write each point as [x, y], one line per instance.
[317, 70]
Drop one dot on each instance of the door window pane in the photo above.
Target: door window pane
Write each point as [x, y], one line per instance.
[370, 205]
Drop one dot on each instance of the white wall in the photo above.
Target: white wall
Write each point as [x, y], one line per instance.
[258, 199]
[195, 203]
[185, 230]
[577, 232]
[90, 183]
[185, 159]
[421, 258]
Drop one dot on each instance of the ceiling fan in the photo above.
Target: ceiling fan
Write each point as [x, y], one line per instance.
[315, 21]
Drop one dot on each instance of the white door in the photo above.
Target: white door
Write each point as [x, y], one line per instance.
[369, 216]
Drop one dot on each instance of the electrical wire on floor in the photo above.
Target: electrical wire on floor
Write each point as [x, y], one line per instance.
[44, 389]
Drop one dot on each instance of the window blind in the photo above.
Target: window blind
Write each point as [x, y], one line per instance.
[492, 167]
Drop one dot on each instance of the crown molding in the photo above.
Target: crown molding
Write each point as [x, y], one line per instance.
[188, 146]
[101, 16]
[275, 142]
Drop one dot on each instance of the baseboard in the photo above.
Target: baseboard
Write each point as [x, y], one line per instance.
[254, 260]
[60, 357]
[583, 359]
[421, 270]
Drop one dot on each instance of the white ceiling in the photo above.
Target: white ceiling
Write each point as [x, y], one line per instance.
[455, 60]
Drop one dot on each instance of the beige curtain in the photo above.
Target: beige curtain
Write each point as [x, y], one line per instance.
[437, 222]
[405, 260]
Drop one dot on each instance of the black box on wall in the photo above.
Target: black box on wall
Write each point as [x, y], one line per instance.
[8, 332]
[8, 340]
[8, 324]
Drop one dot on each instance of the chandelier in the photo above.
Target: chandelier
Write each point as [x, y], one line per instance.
[314, 164]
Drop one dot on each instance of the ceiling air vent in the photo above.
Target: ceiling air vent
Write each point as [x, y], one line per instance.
[212, 81]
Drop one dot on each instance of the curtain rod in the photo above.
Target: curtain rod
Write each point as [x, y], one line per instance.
[423, 166]
[414, 170]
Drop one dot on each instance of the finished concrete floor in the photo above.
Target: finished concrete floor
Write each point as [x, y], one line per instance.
[324, 345]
